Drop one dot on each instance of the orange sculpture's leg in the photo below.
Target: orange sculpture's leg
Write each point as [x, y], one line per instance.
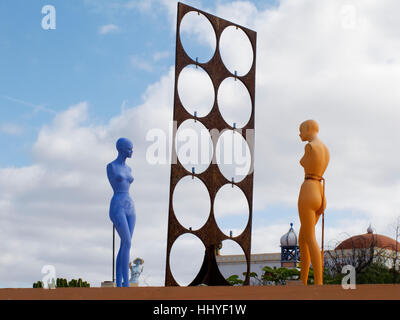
[304, 257]
[309, 249]
[320, 253]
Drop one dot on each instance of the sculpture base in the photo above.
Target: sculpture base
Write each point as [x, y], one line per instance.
[326, 292]
[108, 284]
[294, 283]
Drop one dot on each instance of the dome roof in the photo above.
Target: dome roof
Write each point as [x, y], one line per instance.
[289, 238]
[368, 240]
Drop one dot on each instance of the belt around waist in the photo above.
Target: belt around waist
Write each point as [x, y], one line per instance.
[311, 176]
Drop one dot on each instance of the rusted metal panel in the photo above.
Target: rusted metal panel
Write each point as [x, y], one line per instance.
[209, 233]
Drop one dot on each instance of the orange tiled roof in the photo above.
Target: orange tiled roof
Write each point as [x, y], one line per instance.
[367, 240]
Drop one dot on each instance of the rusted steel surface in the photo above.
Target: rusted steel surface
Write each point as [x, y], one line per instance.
[213, 179]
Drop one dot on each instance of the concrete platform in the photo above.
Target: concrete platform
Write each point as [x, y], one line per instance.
[327, 292]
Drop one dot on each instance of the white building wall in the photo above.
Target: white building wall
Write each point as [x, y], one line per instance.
[236, 264]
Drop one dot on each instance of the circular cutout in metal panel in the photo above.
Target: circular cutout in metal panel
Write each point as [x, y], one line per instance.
[186, 258]
[234, 102]
[236, 50]
[196, 90]
[233, 156]
[197, 36]
[191, 202]
[194, 146]
[231, 210]
[231, 261]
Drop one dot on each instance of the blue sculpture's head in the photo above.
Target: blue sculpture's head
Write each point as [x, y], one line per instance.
[124, 147]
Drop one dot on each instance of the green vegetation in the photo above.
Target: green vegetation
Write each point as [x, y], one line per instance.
[373, 274]
[270, 276]
[377, 273]
[63, 283]
[278, 276]
[234, 280]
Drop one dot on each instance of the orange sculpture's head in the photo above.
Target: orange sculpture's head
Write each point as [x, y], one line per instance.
[308, 130]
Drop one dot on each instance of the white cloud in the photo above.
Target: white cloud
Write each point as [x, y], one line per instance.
[308, 66]
[108, 28]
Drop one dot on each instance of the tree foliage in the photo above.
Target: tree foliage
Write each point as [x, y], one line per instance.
[270, 276]
[63, 283]
[372, 274]
[376, 273]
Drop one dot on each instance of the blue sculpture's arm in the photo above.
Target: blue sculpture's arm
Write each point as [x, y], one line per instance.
[109, 171]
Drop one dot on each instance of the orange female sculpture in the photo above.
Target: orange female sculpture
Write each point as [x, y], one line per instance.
[312, 202]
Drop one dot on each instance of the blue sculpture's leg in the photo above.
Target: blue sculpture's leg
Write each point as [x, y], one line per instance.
[118, 269]
[131, 221]
[124, 233]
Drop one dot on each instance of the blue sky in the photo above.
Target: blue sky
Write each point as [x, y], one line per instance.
[54, 69]
[58, 68]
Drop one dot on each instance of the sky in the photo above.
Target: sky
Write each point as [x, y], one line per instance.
[107, 70]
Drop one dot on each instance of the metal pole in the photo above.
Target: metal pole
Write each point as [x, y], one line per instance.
[113, 261]
[395, 258]
[322, 241]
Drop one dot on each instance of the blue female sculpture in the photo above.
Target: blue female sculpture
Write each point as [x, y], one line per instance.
[122, 210]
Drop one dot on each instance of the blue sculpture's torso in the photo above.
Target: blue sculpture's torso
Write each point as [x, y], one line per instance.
[121, 202]
[121, 177]
[122, 209]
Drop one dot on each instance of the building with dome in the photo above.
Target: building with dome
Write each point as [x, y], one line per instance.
[378, 247]
[288, 257]
[370, 245]
[290, 254]
[368, 240]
